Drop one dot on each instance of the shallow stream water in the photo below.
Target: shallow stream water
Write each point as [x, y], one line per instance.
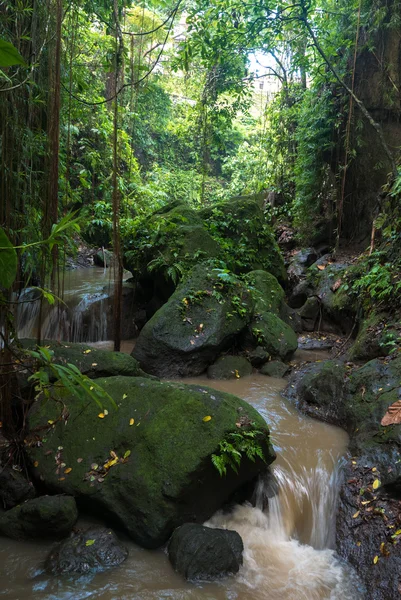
[288, 549]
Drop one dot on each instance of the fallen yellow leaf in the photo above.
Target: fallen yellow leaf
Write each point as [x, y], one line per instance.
[94, 364]
[50, 422]
[376, 558]
[131, 421]
[124, 396]
[36, 463]
[376, 484]
[374, 469]
[68, 470]
[237, 374]
[358, 543]
[356, 514]
[106, 412]
[206, 419]
[87, 351]
[101, 415]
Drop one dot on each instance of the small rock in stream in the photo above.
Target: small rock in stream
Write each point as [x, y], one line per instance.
[199, 552]
[94, 549]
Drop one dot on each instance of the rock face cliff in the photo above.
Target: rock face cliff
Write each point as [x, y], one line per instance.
[378, 85]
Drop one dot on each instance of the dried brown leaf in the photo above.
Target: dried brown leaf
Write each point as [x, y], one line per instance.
[393, 414]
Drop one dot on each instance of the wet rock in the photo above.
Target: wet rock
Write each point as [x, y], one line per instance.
[300, 293]
[147, 464]
[299, 264]
[258, 356]
[315, 344]
[271, 333]
[201, 319]
[43, 517]
[229, 367]
[319, 390]
[14, 487]
[274, 368]
[310, 314]
[367, 520]
[291, 317]
[202, 553]
[93, 550]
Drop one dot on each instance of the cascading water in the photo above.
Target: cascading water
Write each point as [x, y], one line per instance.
[288, 536]
[84, 316]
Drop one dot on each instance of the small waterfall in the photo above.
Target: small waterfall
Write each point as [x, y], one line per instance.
[287, 545]
[85, 315]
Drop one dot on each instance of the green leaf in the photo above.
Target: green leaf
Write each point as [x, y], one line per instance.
[89, 542]
[8, 261]
[9, 55]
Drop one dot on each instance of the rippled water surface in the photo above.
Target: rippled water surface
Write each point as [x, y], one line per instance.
[288, 553]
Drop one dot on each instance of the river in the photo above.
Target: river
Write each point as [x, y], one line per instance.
[288, 548]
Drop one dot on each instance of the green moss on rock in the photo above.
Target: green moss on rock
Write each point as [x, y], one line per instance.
[270, 332]
[266, 291]
[200, 320]
[229, 367]
[167, 476]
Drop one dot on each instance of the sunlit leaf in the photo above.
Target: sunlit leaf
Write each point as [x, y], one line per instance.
[127, 454]
[9, 55]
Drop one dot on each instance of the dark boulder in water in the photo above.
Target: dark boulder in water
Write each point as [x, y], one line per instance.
[199, 552]
[95, 549]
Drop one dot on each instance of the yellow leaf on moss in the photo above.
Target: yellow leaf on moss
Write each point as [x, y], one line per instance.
[101, 415]
[131, 421]
[68, 470]
[206, 419]
[87, 351]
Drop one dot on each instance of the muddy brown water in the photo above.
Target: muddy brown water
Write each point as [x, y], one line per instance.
[288, 549]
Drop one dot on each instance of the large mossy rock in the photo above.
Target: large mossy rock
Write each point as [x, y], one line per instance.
[93, 550]
[148, 464]
[175, 234]
[43, 517]
[229, 367]
[240, 226]
[201, 319]
[274, 368]
[271, 333]
[202, 553]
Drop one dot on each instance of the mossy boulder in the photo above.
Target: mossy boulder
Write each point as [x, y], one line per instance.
[148, 463]
[169, 242]
[229, 367]
[90, 361]
[201, 319]
[271, 333]
[274, 368]
[266, 291]
[377, 336]
[240, 226]
[43, 517]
